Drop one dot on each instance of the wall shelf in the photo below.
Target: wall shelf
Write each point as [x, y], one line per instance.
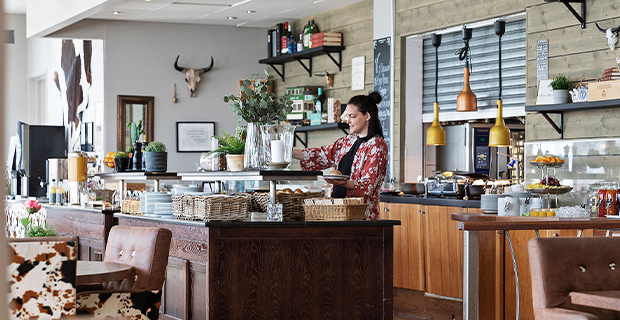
[304, 55]
[327, 126]
[544, 110]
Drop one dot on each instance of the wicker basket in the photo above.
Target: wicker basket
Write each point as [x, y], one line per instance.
[292, 203]
[130, 206]
[214, 207]
[335, 212]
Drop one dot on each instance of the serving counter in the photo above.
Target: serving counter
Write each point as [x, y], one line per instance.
[276, 270]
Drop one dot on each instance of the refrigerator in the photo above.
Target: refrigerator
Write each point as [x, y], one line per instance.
[467, 149]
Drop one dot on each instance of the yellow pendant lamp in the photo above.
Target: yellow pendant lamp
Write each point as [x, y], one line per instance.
[499, 136]
[466, 100]
[436, 135]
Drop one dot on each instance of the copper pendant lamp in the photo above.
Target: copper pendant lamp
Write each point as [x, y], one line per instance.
[436, 135]
[466, 100]
[499, 136]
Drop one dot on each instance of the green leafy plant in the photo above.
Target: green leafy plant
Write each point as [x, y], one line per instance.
[121, 154]
[230, 144]
[255, 104]
[155, 146]
[560, 83]
[136, 130]
[41, 231]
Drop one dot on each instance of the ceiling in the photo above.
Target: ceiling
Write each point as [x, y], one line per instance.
[240, 13]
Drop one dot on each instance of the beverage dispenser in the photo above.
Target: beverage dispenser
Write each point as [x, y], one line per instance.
[56, 170]
[78, 175]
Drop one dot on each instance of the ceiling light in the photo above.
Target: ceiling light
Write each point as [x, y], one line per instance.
[251, 11]
[116, 12]
[232, 18]
[147, 0]
[436, 135]
[317, 1]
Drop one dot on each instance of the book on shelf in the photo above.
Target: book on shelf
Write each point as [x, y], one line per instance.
[607, 78]
[269, 43]
[611, 73]
[328, 34]
[327, 44]
[278, 40]
[611, 70]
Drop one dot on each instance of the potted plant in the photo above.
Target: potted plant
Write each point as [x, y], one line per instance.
[121, 159]
[257, 105]
[156, 157]
[136, 132]
[233, 147]
[560, 87]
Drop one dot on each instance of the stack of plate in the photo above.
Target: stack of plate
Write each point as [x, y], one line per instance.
[179, 189]
[149, 199]
[164, 210]
[488, 202]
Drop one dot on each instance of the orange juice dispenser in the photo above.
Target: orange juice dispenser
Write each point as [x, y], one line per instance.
[77, 175]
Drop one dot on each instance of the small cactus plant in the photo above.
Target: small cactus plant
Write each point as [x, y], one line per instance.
[136, 130]
[155, 146]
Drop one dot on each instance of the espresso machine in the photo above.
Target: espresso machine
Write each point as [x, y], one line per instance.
[77, 175]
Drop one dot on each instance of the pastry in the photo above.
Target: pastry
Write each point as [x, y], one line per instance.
[336, 172]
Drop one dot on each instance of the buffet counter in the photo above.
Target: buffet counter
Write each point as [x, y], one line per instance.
[444, 202]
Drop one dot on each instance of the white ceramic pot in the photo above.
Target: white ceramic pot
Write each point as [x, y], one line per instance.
[561, 96]
[234, 162]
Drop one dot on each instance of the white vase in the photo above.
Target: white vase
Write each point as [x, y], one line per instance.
[561, 96]
[234, 162]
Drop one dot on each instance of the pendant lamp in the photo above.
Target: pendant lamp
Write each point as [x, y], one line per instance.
[436, 135]
[499, 136]
[466, 100]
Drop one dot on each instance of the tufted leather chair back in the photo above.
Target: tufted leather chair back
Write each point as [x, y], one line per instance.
[561, 265]
[144, 248]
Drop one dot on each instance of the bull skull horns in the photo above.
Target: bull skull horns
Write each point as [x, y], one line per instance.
[612, 36]
[192, 76]
[328, 77]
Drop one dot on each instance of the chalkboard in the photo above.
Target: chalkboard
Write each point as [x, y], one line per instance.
[382, 83]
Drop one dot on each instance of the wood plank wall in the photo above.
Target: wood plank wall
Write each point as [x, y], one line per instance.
[573, 51]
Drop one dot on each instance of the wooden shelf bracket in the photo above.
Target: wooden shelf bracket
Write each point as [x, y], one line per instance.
[581, 17]
[278, 72]
[559, 127]
[308, 68]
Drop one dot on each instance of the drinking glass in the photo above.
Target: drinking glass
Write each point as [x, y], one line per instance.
[274, 212]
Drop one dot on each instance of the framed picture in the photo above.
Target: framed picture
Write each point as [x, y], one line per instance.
[194, 136]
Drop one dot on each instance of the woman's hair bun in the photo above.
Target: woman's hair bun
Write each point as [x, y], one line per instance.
[375, 96]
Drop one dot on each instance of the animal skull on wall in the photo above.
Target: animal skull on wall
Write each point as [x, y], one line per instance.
[612, 36]
[328, 77]
[192, 76]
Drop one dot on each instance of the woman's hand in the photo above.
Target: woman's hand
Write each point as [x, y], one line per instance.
[341, 182]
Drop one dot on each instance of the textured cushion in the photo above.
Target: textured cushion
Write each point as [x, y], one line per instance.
[127, 305]
[42, 277]
[560, 266]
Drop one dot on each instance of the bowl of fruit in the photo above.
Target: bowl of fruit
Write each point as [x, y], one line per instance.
[548, 161]
[109, 159]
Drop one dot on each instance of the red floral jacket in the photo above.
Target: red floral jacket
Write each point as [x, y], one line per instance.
[368, 170]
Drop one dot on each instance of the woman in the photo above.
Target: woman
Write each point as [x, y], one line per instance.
[362, 154]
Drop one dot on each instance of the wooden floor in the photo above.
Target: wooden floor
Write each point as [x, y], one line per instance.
[411, 304]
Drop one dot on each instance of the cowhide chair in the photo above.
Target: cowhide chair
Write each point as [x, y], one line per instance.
[146, 249]
[561, 265]
[42, 277]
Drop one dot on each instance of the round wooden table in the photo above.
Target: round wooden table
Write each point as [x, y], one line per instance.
[95, 272]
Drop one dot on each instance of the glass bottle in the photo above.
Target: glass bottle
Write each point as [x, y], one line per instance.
[602, 192]
[60, 194]
[284, 38]
[292, 46]
[307, 35]
[313, 30]
[53, 192]
[610, 199]
[300, 44]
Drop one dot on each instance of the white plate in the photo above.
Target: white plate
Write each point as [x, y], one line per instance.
[335, 176]
[612, 216]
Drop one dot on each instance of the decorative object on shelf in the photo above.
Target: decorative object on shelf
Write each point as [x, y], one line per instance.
[466, 100]
[560, 87]
[233, 147]
[612, 36]
[257, 105]
[499, 135]
[156, 157]
[192, 76]
[580, 92]
[581, 18]
[121, 160]
[328, 77]
[136, 132]
[194, 136]
[174, 97]
[436, 135]
[277, 145]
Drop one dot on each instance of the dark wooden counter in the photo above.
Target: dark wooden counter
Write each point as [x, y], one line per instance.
[277, 270]
[443, 202]
[479, 221]
[91, 226]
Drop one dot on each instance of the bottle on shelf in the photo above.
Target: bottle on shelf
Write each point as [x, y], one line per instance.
[300, 44]
[313, 30]
[292, 46]
[284, 38]
[53, 192]
[307, 36]
[319, 106]
[60, 194]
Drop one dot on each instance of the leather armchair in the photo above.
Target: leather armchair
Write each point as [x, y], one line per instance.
[560, 266]
[38, 265]
[146, 250]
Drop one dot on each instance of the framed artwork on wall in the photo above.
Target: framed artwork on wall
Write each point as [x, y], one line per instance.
[194, 136]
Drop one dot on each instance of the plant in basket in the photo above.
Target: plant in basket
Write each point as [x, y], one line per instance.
[233, 147]
[560, 87]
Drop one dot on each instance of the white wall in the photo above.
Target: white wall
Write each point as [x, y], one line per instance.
[4, 252]
[47, 16]
[139, 59]
[15, 84]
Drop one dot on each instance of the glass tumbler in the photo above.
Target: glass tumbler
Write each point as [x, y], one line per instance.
[277, 145]
[274, 212]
